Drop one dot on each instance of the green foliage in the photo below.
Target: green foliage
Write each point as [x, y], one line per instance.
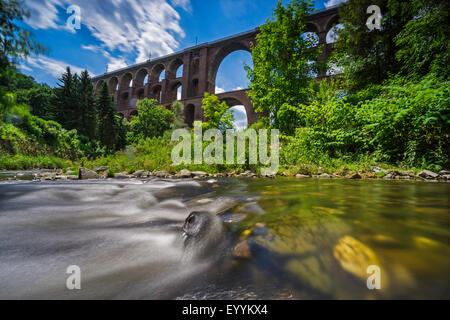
[26, 134]
[414, 39]
[16, 42]
[108, 120]
[424, 43]
[22, 162]
[405, 122]
[367, 56]
[216, 113]
[88, 109]
[283, 65]
[152, 121]
[40, 99]
[67, 106]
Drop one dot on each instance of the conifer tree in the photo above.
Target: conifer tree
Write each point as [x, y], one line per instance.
[107, 127]
[88, 108]
[67, 105]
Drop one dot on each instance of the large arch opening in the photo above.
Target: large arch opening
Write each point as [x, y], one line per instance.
[189, 115]
[113, 84]
[312, 39]
[158, 73]
[142, 77]
[126, 81]
[239, 111]
[228, 68]
[175, 69]
[332, 35]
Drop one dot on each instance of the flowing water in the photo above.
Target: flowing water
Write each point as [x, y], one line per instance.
[255, 239]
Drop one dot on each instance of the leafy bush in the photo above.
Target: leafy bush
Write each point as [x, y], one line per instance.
[152, 121]
[405, 121]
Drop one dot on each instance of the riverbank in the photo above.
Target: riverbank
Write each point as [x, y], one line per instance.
[104, 172]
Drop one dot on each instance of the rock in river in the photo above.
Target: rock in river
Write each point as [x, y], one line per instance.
[87, 174]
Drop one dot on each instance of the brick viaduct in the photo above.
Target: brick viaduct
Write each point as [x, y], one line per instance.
[200, 65]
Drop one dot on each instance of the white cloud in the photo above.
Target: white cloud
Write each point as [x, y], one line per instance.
[332, 3]
[116, 64]
[238, 88]
[92, 48]
[185, 4]
[219, 90]
[51, 66]
[138, 28]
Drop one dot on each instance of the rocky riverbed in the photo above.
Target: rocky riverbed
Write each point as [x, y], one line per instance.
[102, 173]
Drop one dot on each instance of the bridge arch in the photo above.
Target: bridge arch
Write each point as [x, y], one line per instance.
[174, 66]
[240, 99]
[220, 56]
[141, 77]
[312, 27]
[126, 81]
[175, 91]
[157, 72]
[332, 21]
[113, 84]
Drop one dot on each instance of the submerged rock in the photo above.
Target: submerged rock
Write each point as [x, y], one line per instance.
[87, 174]
[354, 256]
[242, 250]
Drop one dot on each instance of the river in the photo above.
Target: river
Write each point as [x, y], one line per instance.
[275, 239]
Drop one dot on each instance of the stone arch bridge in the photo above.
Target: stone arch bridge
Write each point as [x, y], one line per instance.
[200, 65]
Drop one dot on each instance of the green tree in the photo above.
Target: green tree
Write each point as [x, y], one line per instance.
[107, 116]
[283, 65]
[152, 121]
[216, 113]
[87, 107]
[40, 99]
[15, 43]
[424, 43]
[122, 127]
[67, 101]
